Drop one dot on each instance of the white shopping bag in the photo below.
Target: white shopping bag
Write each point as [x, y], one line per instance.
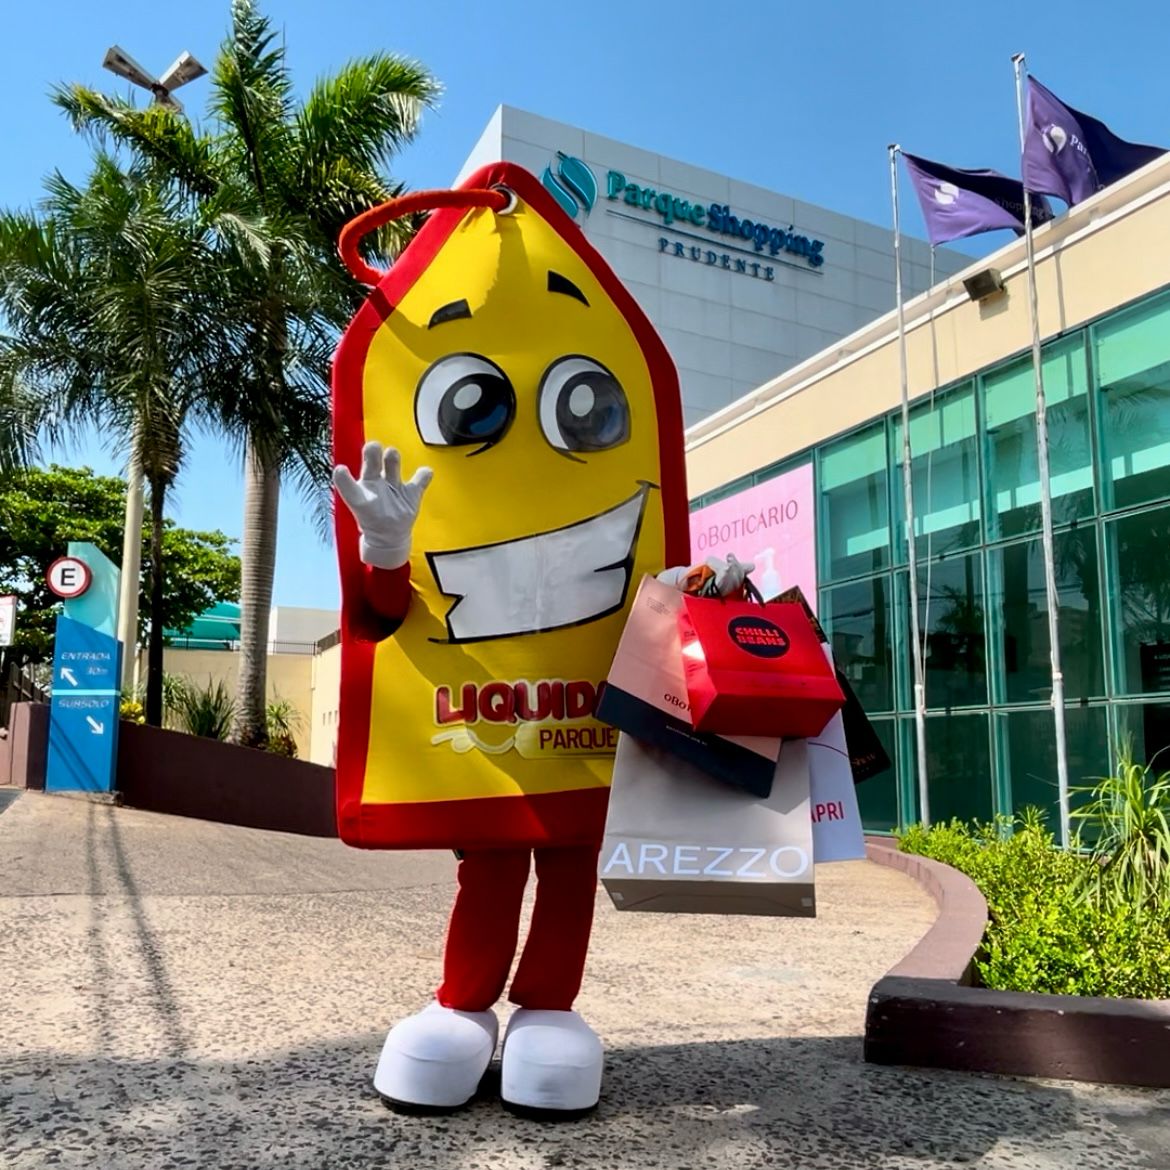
[837, 832]
[678, 841]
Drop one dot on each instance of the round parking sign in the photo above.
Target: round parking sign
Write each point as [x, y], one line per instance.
[69, 577]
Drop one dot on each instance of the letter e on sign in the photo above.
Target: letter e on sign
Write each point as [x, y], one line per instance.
[69, 577]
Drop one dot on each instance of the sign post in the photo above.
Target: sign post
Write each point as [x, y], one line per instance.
[87, 672]
[7, 620]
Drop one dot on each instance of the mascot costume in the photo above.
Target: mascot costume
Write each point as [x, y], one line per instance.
[502, 358]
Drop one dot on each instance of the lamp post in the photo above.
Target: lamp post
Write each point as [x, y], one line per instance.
[183, 70]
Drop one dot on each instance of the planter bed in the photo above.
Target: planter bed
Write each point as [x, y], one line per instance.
[926, 1012]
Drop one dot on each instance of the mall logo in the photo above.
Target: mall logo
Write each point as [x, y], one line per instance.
[946, 194]
[572, 186]
[1055, 138]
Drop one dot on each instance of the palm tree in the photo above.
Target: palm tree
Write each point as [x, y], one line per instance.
[298, 172]
[114, 302]
[22, 418]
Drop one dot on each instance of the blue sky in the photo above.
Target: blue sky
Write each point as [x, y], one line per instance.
[801, 99]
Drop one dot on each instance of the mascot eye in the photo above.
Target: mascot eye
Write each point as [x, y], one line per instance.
[464, 399]
[583, 406]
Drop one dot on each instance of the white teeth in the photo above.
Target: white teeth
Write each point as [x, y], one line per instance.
[561, 578]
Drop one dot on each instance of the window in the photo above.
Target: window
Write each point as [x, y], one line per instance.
[855, 513]
[958, 762]
[1013, 476]
[858, 619]
[951, 612]
[1146, 728]
[877, 797]
[1139, 547]
[1019, 602]
[1030, 747]
[944, 454]
[1132, 354]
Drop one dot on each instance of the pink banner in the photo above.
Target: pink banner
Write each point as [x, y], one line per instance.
[772, 525]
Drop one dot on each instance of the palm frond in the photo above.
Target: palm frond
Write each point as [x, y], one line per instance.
[365, 113]
[156, 134]
[252, 98]
[22, 419]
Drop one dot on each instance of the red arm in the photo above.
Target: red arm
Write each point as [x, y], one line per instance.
[385, 598]
[388, 591]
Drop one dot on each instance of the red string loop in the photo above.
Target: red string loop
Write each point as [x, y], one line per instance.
[357, 229]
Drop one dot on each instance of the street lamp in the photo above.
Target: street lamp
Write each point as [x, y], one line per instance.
[184, 69]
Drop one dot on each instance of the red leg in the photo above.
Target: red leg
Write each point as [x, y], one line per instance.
[553, 963]
[481, 939]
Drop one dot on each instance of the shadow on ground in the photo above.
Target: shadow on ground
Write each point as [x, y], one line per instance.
[182, 1094]
[801, 1103]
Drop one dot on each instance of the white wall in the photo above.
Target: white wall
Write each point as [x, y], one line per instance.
[324, 704]
[297, 629]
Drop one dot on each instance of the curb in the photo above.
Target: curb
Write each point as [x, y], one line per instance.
[924, 1011]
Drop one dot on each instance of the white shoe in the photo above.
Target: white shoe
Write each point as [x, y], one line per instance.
[436, 1059]
[552, 1063]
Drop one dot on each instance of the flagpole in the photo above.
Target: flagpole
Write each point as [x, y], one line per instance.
[908, 491]
[1045, 484]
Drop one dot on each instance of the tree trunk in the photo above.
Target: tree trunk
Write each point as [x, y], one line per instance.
[154, 660]
[257, 571]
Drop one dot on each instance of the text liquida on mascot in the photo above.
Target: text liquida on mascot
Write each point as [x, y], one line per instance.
[552, 714]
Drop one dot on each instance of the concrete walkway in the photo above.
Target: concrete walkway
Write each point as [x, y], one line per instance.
[175, 993]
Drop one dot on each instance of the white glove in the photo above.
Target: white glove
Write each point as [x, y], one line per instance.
[729, 574]
[384, 507]
[674, 577]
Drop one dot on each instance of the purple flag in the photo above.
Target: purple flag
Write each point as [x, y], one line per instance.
[957, 203]
[1069, 154]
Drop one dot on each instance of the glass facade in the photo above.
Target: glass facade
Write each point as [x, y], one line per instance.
[981, 590]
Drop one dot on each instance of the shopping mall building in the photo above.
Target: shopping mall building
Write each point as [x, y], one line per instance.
[826, 436]
[742, 283]
[791, 381]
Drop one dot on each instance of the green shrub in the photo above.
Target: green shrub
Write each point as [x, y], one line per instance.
[131, 710]
[282, 745]
[206, 711]
[1127, 819]
[284, 721]
[175, 689]
[1052, 930]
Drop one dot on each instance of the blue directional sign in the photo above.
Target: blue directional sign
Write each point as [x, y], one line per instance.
[83, 718]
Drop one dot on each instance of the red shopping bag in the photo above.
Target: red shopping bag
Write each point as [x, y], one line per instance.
[755, 669]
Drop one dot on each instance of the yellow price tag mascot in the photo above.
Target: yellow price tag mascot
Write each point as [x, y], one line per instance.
[508, 441]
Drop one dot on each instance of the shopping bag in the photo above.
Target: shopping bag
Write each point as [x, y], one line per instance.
[755, 669]
[867, 756]
[678, 841]
[645, 695]
[836, 819]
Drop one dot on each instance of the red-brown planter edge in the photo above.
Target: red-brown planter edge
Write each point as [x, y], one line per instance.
[192, 776]
[924, 1012]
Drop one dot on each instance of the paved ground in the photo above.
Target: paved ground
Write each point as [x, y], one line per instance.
[175, 993]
